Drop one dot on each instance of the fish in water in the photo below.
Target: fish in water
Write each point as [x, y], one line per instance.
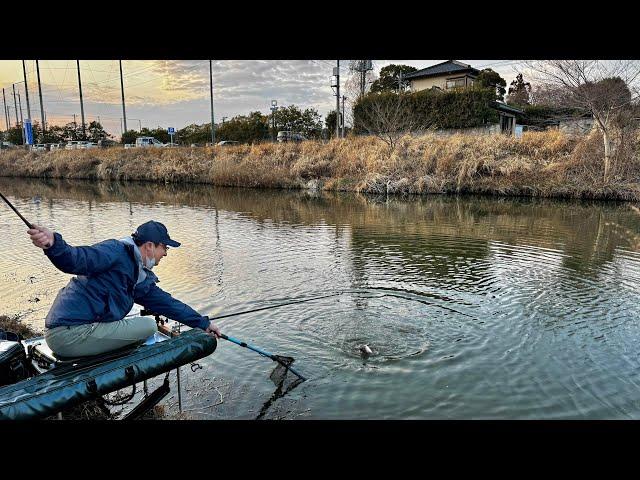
[365, 350]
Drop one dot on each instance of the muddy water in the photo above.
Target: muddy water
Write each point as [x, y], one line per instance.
[473, 307]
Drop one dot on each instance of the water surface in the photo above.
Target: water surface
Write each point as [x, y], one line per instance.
[474, 307]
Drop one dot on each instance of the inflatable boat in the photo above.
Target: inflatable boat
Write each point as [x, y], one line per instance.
[38, 385]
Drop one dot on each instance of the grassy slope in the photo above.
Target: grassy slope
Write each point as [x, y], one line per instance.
[549, 164]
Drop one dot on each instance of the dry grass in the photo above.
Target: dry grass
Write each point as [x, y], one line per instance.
[546, 164]
[14, 325]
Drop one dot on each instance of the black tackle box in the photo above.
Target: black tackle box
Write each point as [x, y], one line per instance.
[13, 362]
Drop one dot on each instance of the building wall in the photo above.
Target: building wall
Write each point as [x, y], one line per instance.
[441, 82]
[488, 129]
[577, 127]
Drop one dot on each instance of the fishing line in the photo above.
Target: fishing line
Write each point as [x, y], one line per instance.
[335, 295]
[275, 306]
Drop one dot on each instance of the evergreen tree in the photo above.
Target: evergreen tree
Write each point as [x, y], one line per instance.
[519, 91]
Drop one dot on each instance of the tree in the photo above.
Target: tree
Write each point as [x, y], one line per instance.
[193, 134]
[388, 116]
[54, 134]
[307, 122]
[519, 91]
[250, 128]
[72, 131]
[330, 122]
[490, 79]
[13, 135]
[95, 132]
[129, 137]
[607, 90]
[390, 78]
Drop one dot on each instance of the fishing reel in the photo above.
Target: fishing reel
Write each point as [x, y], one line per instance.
[162, 323]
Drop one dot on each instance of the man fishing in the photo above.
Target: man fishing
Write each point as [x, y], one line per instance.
[87, 316]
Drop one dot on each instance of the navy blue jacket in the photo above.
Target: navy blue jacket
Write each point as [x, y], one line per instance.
[105, 289]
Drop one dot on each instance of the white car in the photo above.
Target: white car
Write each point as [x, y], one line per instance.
[148, 142]
[73, 145]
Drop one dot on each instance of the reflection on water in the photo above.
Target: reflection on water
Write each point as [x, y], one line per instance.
[474, 307]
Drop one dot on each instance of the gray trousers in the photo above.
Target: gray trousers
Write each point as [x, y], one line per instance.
[96, 338]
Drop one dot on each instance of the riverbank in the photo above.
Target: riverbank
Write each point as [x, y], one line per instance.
[540, 164]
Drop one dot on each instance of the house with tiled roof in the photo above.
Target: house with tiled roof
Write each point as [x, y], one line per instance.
[444, 76]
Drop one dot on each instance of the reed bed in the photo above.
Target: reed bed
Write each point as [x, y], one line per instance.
[544, 164]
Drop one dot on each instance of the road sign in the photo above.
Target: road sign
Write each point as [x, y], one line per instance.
[171, 130]
[28, 131]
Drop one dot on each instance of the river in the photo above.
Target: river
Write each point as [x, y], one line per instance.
[474, 307]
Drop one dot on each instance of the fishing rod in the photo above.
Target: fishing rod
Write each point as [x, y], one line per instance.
[14, 209]
[27, 223]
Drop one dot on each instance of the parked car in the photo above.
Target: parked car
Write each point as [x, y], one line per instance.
[87, 145]
[72, 145]
[5, 145]
[148, 142]
[55, 146]
[287, 136]
[227, 142]
[39, 147]
[129, 145]
[106, 143]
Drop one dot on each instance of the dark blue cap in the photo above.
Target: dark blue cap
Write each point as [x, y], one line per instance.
[154, 232]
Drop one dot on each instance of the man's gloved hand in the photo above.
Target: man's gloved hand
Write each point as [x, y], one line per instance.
[213, 328]
[41, 237]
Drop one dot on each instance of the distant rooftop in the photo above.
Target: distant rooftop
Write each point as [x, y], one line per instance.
[503, 107]
[450, 66]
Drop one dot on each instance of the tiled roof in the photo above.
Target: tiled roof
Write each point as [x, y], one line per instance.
[503, 107]
[450, 66]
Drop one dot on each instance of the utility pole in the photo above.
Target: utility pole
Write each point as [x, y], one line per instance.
[20, 105]
[274, 109]
[124, 113]
[343, 99]
[84, 133]
[26, 90]
[223, 119]
[41, 107]
[6, 112]
[213, 125]
[338, 99]
[15, 104]
[400, 82]
[24, 140]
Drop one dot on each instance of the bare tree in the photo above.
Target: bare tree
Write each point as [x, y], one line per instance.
[351, 89]
[606, 89]
[388, 117]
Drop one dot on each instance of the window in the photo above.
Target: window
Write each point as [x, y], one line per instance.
[455, 83]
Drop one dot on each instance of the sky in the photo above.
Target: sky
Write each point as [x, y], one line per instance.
[175, 93]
